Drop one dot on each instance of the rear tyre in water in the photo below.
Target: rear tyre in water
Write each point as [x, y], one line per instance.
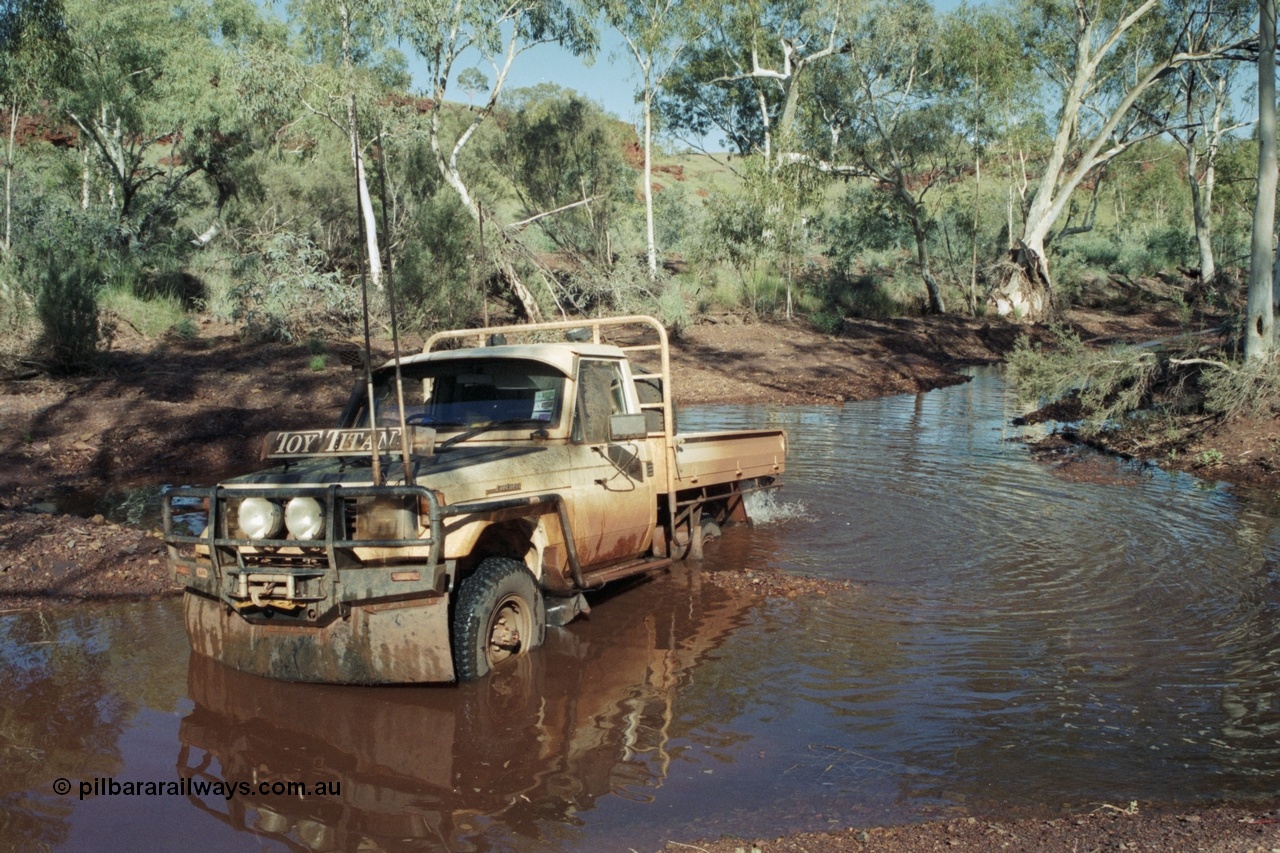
[499, 614]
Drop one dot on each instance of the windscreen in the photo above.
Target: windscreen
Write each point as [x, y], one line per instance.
[467, 393]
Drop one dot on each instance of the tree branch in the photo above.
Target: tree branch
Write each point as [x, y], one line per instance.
[524, 223]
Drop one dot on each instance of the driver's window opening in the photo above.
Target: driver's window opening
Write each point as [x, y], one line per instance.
[464, 395]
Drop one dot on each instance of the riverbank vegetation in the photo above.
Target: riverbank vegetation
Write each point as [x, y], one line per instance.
[171, 165]
[207, 158]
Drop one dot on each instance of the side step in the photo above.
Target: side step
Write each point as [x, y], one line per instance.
[599, 578]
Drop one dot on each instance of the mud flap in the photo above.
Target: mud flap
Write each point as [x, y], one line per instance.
[562, 611]
[396, 643]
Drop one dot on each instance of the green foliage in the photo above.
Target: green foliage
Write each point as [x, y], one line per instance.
[193, 113]
[1233, 199]
[1144, 392]
[673, 306]
[285, 292]
[472, 81]
[732, 233]
[185, 329]
[624, 288]
[1250, 388]
[309, 192]
[675, 220]
[865, 222]
[67, 307]
[870, 247]
[1094, 250]
[762, 231]
[1110, 384]
[701, 101]
[435, 281]
[55, 256]
[1209, 457]
[1093, 256]
[1171, 246]
[827, 322]
[561, 149]
[338, 33]
[145, 98]
[867, 296]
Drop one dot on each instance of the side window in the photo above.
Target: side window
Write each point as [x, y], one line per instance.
[600, 394]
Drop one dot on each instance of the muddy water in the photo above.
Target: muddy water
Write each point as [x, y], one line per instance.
[1019, 640]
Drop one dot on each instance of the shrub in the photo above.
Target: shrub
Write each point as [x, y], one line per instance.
[285, 292]
[1171, 246]
[1070, 276]
[868, 297]
[560, 148]
[150, 317]
[675, 226]
[435, 279]
[185, 329]
[866, 222]
[16, 306]
[1136, 260]
[673, 308]
[1095, 250]
[67, 308]
[827, 322]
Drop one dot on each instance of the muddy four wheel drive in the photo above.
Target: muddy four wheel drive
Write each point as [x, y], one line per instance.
[466, 500]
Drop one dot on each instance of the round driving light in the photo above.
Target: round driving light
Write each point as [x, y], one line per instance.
[305, 518]
[259, 518]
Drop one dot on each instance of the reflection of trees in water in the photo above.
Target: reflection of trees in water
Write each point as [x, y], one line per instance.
[511, 759]
[71, 679]
[59, 717]
[57, 712]
[1250, 733]
[1022, 634]
[1130, 674]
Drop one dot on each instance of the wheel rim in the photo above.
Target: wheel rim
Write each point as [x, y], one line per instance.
[510, 629]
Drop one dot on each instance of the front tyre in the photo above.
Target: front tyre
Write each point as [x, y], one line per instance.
[499, 614]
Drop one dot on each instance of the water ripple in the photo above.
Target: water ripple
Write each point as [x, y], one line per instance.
[1026, 632]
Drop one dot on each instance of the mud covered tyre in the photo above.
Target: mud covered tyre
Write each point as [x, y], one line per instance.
[499, 614]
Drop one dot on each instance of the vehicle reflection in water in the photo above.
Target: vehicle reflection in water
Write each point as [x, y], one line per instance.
[479, 766]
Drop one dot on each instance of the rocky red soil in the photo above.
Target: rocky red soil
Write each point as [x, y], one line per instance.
[1223, 830]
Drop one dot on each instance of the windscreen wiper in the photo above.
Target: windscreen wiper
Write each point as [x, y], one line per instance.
[476, 430]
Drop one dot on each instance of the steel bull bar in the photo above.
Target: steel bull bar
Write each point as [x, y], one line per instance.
[315, 612]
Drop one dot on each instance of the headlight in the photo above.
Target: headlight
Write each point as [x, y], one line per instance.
[305, 518]
[259, 518]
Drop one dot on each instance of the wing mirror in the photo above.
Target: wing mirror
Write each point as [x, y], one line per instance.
[627, 427]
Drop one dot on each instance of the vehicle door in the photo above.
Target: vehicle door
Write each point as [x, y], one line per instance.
[613, 503]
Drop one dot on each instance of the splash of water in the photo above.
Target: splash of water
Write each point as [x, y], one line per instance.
[765, 508]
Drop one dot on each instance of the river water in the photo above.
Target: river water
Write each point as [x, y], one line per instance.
[1016, 642]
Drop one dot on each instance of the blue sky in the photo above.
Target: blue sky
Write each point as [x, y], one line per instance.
[610, 80]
